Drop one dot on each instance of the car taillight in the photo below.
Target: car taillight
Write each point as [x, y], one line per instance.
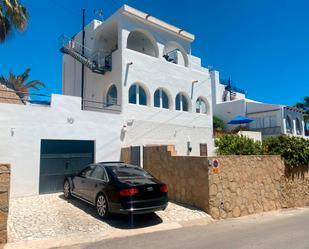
[164, 189]
[128, 192]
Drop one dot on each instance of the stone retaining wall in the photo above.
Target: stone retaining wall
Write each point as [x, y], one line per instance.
[243, 185]
[253, 184]
[4, 200]
[186, 177]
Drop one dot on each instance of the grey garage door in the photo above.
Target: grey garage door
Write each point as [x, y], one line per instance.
[60, 158]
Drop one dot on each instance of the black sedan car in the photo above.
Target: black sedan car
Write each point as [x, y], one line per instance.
[116, 187]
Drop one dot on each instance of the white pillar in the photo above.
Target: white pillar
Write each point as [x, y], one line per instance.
[294, 127]
[303, 128]
[284, 126]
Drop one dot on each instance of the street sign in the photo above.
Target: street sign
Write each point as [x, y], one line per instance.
[215, 163]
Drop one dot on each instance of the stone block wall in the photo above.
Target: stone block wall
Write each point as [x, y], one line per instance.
[4, 200]
[186, 177]
[295, 188]
[253, 184]
[9, 96]
[243, 185]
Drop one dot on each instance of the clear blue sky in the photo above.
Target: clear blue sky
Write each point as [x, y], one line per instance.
[262, 45]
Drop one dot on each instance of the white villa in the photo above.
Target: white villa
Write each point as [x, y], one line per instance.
[128, 81]
[141, 85]
[140, 70]
[269, 119]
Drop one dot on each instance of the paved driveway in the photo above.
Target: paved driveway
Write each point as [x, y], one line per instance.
[51, 216]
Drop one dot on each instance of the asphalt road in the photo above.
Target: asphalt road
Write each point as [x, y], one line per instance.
[278, 230]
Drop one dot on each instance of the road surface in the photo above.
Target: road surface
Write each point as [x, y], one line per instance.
[277, 230]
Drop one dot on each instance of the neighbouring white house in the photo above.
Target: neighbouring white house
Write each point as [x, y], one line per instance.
[132, 82]
[269, 119]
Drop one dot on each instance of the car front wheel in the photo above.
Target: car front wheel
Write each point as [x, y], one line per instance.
[67, 190]
[102, 206]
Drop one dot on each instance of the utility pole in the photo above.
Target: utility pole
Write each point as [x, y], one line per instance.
[83, 53]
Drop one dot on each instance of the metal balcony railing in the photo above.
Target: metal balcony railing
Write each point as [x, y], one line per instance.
[172, 56]
[17, 97]
[233, 87]
[97, 61]
[90, 105]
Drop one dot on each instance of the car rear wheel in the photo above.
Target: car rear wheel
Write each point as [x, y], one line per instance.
[102, 206]
[67, 189]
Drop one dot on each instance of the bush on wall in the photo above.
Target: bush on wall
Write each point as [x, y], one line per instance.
[237, 145]
[218, 124]
[294, 150]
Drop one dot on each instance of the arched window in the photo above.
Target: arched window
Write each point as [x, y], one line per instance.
[298, 127]
[289, 125]
[137, 95]
[111, 97]
[182, 102]
[142, 42]
[161, 99]
[201, 106]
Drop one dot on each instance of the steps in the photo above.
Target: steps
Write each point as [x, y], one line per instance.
[72, 48]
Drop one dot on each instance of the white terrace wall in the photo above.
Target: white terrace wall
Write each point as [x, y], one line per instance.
[23, 126]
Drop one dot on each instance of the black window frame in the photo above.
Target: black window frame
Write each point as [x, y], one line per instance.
[104, 176]
[89, 167]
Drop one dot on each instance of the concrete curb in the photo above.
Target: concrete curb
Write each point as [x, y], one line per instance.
[94, 237]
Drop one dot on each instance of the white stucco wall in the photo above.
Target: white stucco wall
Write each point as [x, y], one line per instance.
[228, 110]
[153, 73]
[160, 126]
[255, 135]
[31, 123]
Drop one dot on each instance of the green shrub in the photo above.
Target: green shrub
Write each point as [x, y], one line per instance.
[294, 150]
[237, 145]
[218, 124]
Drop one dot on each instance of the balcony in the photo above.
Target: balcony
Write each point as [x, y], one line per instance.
[269, 131]
[171, 56]
[90, 105]
[97, 61]
[233, 87]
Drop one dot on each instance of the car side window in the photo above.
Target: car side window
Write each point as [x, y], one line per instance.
[105, 178]
[86, 172]
[99, 173]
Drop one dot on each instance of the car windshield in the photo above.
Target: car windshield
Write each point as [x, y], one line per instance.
[128, 171]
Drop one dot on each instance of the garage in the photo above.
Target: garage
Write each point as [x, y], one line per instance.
[59, 158]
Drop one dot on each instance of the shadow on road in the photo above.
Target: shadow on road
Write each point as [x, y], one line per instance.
[118, 221]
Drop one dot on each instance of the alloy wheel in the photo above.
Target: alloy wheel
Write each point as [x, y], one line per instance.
[101, 206]
[66, 189]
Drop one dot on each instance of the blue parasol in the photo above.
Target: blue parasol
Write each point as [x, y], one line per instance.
[240, 120]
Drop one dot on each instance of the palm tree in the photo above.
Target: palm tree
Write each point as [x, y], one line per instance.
[12, 15]
[305, 106]
[19, 85]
